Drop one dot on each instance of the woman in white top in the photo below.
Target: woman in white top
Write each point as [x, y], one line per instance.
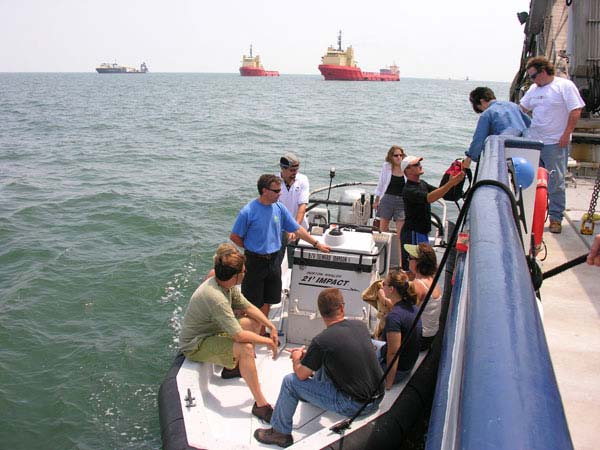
[423, 263]
[388, 194]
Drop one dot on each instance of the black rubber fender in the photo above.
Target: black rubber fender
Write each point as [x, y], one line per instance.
[172, 425]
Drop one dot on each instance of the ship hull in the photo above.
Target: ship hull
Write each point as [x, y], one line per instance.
[253, 72]
[120, 70]
[341, 73]
[111, 70]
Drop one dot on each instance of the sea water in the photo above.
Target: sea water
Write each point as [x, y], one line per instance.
[115, 191]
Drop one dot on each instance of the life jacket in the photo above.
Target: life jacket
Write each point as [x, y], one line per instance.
[457, 192]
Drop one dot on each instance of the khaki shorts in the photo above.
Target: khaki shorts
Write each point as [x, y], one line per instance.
[216, 349]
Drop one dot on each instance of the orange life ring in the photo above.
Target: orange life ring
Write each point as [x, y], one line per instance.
[541, 206]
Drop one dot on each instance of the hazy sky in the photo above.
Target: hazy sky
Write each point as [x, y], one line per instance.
[481, 39]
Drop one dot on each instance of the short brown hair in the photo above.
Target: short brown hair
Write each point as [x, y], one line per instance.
[541, 63]
[329, 301]
[389, 157]
[264, 182]
[228, 255]
[478, 94]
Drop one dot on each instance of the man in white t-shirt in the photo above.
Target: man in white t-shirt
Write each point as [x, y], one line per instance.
[294, 189]
[556, 106]
[294, 196]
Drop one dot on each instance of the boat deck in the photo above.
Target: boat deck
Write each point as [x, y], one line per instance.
[571, 302]
[222, 417]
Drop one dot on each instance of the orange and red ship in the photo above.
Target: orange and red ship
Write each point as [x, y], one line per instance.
[338, 64]
[251, 67]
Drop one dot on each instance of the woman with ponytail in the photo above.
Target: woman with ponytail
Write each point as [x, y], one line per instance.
[399, 292]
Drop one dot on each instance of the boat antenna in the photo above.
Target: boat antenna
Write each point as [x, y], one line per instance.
[340, 41]
[331, 175]
[250, 50]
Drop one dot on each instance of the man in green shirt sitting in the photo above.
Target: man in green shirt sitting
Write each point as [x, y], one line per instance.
[212, 333]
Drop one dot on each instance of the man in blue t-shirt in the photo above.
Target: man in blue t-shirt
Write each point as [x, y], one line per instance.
[257, 229]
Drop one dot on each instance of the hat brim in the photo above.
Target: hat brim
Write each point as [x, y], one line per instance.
[412, 250]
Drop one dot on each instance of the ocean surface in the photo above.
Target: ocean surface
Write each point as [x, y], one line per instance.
[115, 191]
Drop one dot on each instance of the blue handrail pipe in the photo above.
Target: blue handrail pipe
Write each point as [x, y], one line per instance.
[496, 386]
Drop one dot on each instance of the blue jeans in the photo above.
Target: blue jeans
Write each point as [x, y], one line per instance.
[400, 375]
[319, 391]
[554, 159]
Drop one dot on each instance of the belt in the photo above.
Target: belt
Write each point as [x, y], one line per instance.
[261, 256]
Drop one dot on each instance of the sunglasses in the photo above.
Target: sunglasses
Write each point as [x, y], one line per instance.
[533, 76]
[277, 191]
[399, 155]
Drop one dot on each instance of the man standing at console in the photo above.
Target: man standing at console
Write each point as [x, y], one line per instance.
[294, 189]
[294, 195]
[345, 368]
[418, 196]
[556, 106]
[257, 229]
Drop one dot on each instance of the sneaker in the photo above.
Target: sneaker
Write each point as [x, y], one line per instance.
[227, 374]
[264, 413]
[270, 436]
[555, 226]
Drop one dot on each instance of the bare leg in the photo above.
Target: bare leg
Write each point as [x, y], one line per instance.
[250, 325]
[265, 308]
[384, 224]
[244, 353]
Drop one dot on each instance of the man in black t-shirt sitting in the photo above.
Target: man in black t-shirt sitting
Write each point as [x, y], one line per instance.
[345, 368]
[418, 196]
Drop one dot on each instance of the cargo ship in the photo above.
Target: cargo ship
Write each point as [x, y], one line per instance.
[115, 68]
[338, 64]
[251, 67]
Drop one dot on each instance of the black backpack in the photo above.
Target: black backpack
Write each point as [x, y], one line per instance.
[458, 191]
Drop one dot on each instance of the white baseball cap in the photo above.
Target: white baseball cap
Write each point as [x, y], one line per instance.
[409, 161]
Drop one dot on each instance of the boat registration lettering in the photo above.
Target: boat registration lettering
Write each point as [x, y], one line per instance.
[329, 257]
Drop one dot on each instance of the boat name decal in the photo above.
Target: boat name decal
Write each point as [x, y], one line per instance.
[323, 281]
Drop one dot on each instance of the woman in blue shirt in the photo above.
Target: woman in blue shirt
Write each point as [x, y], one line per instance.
[399, 293]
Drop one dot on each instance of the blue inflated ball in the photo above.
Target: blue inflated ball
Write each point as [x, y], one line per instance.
[524, 171]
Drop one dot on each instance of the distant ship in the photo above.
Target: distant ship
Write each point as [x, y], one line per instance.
[338, 64]
[115, 68]
[251, 67]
